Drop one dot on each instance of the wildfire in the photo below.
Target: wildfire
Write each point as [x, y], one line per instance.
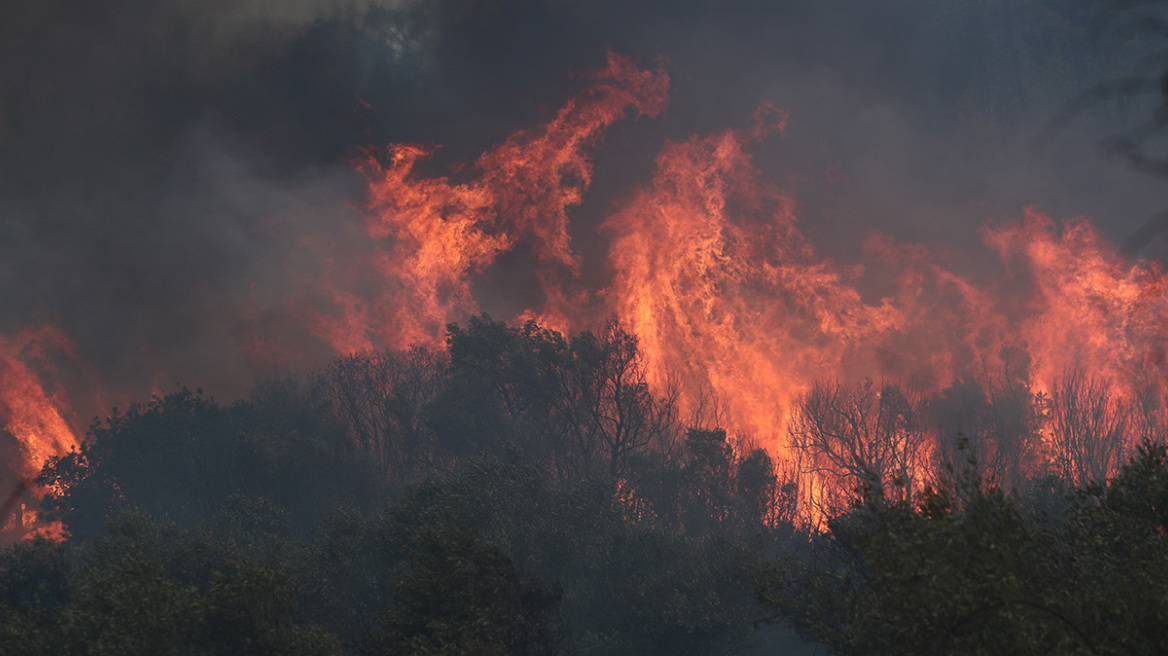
[710, 270]
[734, 302]
[1089, 307]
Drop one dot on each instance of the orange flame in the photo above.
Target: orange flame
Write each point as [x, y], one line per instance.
[713, 275]
[1090, 308]
[33, 416]
[432, 234]
[727, 296]
[710, 270]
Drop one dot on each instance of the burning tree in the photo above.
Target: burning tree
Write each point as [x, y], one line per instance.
[856, 435]
[1090, 427]
[604, 403]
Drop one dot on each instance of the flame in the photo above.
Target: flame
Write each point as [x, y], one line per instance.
[713, 274]
[734, 301]
[1089, 307]
[727, 296]
[709, 268]
[35, 417]
[432, 233]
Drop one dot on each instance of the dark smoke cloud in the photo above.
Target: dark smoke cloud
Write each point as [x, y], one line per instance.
[160, 160]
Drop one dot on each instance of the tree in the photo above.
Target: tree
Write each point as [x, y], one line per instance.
[723, 492]
[582, 405]
[498, 389]
[855, 435]
[1015, 419]
[630, 585]
[176, 456]
[379, 398]
[767, 497]
[461, 597]
[959, 419]
[605, 402]
[182, 456]
[148, 588]
[1090, 427]
[969, 570]
[995, 425]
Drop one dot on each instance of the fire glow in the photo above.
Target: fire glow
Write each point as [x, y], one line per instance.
[708, 267]
[35, 417]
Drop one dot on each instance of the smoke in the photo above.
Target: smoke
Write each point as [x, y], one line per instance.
[147, 149]
[175, 175]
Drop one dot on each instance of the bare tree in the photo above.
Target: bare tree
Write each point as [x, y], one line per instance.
[379, 397]
[1151, 413]
[1090, 426]
[604, 407]
[856, 435]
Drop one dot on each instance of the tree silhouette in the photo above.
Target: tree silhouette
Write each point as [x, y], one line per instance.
[856, 435]
[1091, 427]
[379, 398]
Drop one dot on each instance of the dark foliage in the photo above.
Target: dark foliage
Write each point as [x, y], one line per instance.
[493, 558]
[531, 496]
[544, 505]
[147, 588]
[629, 586]
[582, 404]
[971, 570]
[461, 596]
[182, 455]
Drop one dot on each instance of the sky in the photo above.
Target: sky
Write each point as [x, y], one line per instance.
[167, 165]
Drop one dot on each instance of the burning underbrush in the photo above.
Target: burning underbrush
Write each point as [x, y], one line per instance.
[583, 406]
